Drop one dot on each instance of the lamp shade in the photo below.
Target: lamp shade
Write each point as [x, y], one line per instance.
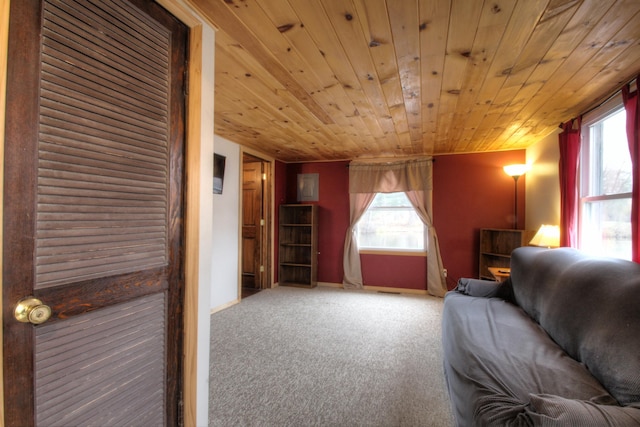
[547, 236]
[516, 170]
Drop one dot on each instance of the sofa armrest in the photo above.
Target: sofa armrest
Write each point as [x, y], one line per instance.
[484, 288]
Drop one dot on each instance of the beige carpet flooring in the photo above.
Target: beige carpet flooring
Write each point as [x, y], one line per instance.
[328, 357]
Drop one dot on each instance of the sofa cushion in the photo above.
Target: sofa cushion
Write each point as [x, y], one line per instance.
[548, 410]
[495, 356]
[590, 307]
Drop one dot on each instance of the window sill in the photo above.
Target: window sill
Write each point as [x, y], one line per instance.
[391, 252]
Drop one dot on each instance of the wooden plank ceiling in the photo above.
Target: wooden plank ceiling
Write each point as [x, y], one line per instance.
[308, 80]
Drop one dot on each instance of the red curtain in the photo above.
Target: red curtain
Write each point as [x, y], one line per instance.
[569, 141]
[633, 135]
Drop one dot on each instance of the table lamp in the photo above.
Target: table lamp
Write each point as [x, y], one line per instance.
[547, 236]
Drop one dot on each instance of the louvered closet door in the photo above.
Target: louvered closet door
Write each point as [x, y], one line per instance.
[93, 213]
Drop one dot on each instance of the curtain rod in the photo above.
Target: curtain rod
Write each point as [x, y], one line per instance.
[399, 161]
[607, 99]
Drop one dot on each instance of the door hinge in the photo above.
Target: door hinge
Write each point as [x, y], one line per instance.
[261, 221]
[262, 269]
[264, 176]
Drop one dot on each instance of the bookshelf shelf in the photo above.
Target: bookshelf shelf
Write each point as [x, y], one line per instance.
[298, 245]
[496, 246]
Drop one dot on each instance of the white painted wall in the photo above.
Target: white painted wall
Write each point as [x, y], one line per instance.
[543, 185]
[225, 216]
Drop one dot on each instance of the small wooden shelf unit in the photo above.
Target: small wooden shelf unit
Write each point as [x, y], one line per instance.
[496, 246]
[298, 246]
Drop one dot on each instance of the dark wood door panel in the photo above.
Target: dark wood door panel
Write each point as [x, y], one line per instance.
[94, 178]
[252, 217]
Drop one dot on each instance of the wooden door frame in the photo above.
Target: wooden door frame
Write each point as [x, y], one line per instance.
[199, 135]
[4, 42]
[199, 139]
[267, 207]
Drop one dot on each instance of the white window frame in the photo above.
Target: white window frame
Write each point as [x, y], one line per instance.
[388, 250]
[587, 176]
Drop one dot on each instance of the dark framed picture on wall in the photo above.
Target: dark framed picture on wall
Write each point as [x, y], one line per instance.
[308, 187]
[218, 173]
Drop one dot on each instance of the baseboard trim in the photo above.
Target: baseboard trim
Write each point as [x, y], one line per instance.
[223, 306]
[388, 290]
[330, 285]
[384, 289]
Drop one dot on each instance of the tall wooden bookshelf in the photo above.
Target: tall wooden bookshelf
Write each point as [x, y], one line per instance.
[496, 246]
[298, 245]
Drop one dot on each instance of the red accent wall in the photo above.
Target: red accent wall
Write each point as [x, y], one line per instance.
[471, 191]
[280, 186]
[333, 211]
[280, 196]
[409, 272]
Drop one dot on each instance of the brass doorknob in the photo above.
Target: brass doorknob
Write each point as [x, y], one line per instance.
[32, 310]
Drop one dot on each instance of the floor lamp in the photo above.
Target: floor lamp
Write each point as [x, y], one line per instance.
[516, 171]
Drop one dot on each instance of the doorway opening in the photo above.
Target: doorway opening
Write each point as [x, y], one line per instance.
[256, 225]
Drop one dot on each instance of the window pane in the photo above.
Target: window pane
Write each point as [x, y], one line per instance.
[391, 223]
[606, 229]
[605, 210]
[391, 200]
[610, 158]
[616, 157]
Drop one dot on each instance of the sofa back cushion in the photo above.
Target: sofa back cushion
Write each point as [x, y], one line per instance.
[590, 307]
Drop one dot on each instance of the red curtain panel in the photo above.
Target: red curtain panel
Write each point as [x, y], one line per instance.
[569, 141]
[633, 135]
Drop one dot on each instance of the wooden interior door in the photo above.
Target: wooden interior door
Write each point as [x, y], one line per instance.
[252, 222]
[93, 213]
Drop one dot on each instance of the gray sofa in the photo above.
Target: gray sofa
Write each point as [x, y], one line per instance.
[557, 344]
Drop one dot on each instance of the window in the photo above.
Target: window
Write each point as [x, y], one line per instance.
[391, 224]
[605, 184]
